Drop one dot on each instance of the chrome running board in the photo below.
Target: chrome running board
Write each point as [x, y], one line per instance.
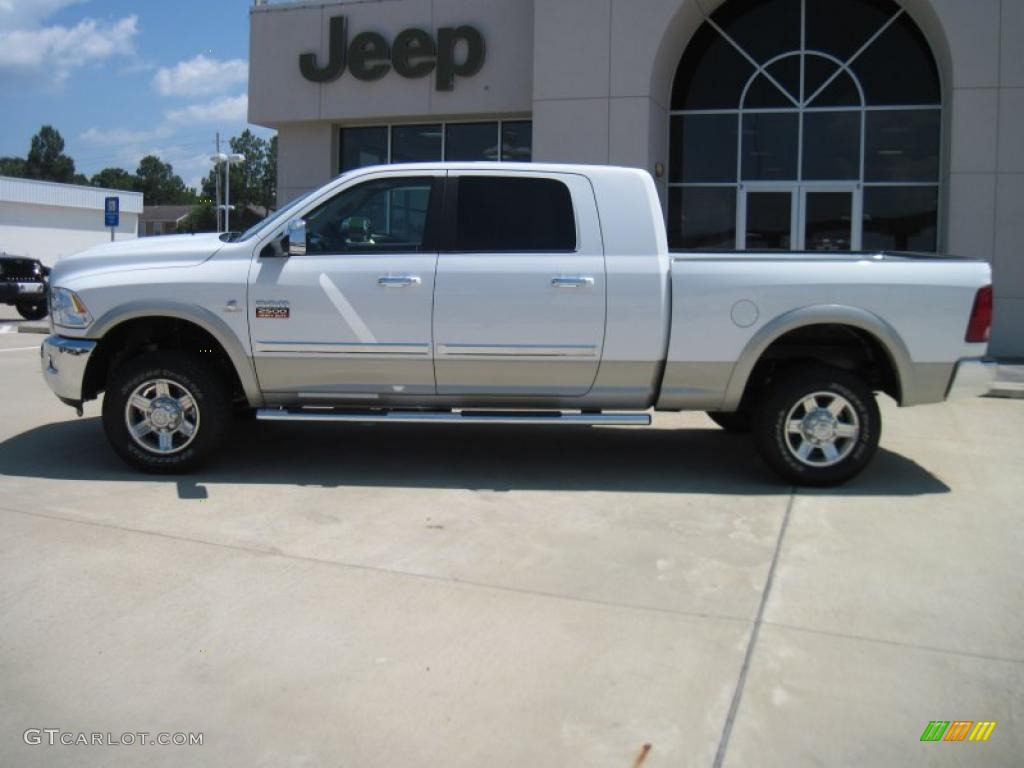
[454, 417]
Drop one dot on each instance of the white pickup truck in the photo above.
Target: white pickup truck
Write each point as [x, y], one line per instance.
[482, 293]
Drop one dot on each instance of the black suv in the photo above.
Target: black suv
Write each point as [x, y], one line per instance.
[23, 284]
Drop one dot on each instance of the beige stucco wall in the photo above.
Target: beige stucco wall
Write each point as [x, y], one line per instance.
[596, 76]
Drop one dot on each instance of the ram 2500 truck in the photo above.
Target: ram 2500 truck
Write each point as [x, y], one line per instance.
[481, 293]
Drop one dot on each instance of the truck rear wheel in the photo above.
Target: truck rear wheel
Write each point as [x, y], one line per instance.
[166, 412]
[817, 426]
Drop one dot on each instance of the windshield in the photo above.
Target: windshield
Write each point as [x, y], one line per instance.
[278, 217]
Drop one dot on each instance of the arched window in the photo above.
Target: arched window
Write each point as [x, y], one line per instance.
[806, 125]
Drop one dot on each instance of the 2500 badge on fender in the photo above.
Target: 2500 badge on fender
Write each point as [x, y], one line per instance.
[501, 293]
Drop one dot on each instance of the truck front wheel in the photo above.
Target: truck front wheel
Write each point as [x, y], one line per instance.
[32, 310]
[166, 412]
[817, 426]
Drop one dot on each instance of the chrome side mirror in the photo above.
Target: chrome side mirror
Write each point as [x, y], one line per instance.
[297, 237]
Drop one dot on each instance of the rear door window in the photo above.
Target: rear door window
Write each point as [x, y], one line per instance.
[509, 214]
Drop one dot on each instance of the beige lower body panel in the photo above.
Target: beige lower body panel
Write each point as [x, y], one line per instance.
[930, 384]
[321, 380]
[694, 386]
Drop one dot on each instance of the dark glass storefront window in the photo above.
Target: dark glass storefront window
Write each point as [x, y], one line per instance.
[471, 141]
[415, 143]
[702, 217]
[770, 146]
[902, 145]
[901, 218]
[361, 147]
[830, 97]
[509, 141]
[709, 148]
[517, 141]
[768, 220]
[831, 146]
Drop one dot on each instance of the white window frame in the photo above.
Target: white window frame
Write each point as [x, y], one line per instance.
[802, 108]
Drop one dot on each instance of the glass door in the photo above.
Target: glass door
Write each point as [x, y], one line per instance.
[767, 218]
[830, 218]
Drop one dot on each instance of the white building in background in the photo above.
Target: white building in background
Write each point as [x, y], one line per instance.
[767, 124]
[44, 220]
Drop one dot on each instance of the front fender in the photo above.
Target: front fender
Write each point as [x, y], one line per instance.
[239, 355]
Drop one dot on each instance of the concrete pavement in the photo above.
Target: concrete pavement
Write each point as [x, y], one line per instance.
[401, 595]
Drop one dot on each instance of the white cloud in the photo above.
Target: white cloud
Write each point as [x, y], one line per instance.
[200, 76]
[58, 50]
[231, 109]
[23, 14]
[98, 137]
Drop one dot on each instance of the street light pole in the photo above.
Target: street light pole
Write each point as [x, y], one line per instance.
[220, 157]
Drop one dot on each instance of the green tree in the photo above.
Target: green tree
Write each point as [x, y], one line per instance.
[159, 184]
[247, 178]
[46, 159]
[253, 182]
[12, 166]
[114, 178]
[270, 175]
[202, 218]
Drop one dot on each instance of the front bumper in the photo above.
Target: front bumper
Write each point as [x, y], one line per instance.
[972, 378]
[64, 362]
[11, 292]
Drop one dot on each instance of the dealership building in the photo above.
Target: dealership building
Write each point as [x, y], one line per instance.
[793, 124]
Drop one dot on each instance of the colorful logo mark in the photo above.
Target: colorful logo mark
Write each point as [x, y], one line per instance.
[958, 730]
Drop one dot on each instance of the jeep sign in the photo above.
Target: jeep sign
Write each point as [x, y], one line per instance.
[414, 54]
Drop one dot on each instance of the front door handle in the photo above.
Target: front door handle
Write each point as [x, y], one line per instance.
[572, 282]
[398, 281]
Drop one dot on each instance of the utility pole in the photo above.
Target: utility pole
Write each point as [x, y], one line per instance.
[216, 203]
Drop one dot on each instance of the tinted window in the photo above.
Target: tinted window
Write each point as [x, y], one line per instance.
[901, 218]
[415, 143]
[708, 148]
[517, 141]
[385, 215]
[702, 217]
[770, 146]
[899, 68]
[831, 145]
[363, 146]
[471, 141]
[711, 74]
[763, 28]
[902, 145]
[511, 214]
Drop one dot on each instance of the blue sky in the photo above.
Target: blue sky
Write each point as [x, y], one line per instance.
[124, 79]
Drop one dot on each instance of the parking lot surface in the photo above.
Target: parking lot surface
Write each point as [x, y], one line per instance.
[494, 596]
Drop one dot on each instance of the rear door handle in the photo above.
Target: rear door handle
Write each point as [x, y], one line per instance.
[398, 281]
[572, 282]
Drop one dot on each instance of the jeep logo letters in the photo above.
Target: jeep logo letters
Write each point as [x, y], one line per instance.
[414, 54]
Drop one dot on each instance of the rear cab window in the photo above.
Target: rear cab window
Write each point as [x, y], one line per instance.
[497, 214]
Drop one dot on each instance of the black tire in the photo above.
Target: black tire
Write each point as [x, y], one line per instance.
[32, 310]
[784, 401]
[737, 422]
[211, 412]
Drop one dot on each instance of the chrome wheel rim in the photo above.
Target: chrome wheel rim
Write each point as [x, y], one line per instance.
[822, 429]
[162, 416]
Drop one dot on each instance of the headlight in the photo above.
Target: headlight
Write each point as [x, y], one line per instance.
[68, 310]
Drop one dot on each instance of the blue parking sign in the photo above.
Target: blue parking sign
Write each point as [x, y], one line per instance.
[112, 211]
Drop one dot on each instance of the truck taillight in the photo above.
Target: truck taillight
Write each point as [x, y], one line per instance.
[980, 324]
